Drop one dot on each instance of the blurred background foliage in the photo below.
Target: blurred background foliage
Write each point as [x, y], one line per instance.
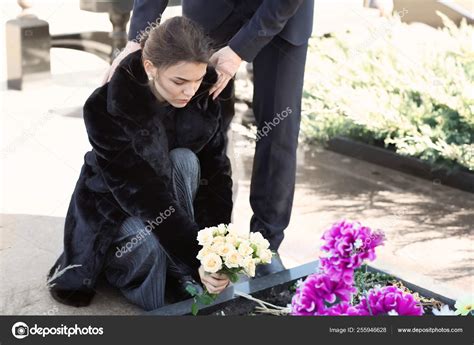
[393, 87]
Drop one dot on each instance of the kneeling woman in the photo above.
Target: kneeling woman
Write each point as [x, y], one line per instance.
[156, 174]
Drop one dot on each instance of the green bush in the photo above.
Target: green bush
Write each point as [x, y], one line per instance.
[417, 100]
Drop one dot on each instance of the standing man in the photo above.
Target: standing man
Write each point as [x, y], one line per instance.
[273, 35]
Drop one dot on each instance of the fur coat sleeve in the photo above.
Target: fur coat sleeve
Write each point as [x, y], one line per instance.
[213, 203]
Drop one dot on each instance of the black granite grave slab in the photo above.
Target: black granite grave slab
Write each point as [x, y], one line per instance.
[271, 286]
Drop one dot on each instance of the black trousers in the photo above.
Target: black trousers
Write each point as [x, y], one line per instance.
[278, 85]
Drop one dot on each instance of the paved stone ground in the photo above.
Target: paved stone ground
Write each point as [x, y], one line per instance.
[429, 227]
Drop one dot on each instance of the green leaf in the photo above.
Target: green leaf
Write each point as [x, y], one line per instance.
[205, 299]
[194, 308]
[233, 277]
[191, 290]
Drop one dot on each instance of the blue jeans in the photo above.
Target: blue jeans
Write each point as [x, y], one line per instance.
[137, 263]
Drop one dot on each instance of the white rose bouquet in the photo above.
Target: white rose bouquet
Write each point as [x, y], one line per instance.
[230, 251]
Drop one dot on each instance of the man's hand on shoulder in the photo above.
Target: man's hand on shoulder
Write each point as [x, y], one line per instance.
[129, 48]
[226, 62]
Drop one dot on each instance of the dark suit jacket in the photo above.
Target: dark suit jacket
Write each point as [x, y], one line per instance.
[262, 20]
[128, 173]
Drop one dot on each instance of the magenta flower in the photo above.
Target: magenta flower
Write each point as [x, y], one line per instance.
[338, 269]
[330, 292]
[342, 309]
[317, 292]
[381, 301]
[347, 246]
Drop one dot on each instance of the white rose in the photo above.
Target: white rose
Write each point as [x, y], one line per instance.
[233, 259]
[259, 240]
[211, 263]
[231, 239]
[216, 248]
[217, 243]
[238, 232]
[255, 236]
[222, 229]
[205, 236]
[218, 240]
[266, 256]
[203, 252]
[261, 248]
[249, 266]
[214, 230]
[225, 249]
[245, 249]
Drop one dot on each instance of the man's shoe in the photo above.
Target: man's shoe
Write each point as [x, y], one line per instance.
[275, 266]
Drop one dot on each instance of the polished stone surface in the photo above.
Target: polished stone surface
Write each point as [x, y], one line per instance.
[248, 287]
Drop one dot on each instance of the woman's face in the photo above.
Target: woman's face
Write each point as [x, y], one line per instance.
[178, 83]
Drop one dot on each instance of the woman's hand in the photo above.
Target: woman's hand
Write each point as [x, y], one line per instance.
[215, 282]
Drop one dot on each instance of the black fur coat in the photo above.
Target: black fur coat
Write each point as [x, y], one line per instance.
[128, 173]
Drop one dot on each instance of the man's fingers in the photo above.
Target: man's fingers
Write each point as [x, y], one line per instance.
[105, 78]
[217, 92]
[219, 86]
[220, 77]
[213, 60]
[109, 73]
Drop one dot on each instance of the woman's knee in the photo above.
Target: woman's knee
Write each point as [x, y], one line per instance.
[131, 226]
[185, 160]
[134, 237]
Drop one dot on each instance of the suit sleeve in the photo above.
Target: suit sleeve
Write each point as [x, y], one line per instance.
[267, 22]
[213, 203]
[144, 13]
[142, 190]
